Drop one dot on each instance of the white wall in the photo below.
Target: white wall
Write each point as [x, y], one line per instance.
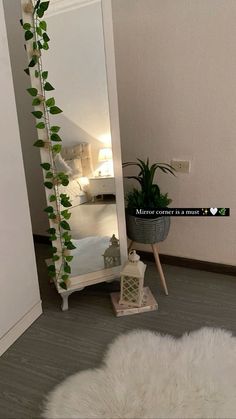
[31, 157]
[19, 297]
[176, 69]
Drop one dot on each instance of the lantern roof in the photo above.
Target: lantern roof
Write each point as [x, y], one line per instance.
[134, 267]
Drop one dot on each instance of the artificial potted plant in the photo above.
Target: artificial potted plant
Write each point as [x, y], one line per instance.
[141, 228]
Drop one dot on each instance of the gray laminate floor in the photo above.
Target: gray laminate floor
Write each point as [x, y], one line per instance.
[59, 344]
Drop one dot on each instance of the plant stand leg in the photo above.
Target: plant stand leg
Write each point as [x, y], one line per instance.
[159, 267]
[65, 297]
[130, 246]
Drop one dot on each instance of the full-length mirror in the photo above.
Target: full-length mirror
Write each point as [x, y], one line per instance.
[77, 67]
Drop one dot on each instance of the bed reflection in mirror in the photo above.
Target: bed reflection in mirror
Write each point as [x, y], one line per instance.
[76, 65]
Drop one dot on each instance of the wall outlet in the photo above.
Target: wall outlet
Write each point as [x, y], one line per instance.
[182, 166]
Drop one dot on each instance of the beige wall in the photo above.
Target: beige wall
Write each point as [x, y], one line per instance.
[176, 69]
[33, 172]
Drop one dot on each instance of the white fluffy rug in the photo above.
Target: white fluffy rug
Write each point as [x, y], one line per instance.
[146, 375]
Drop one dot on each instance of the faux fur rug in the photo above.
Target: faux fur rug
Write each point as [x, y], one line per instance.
[147, 375]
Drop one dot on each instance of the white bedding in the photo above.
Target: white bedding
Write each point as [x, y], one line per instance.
[88, 254]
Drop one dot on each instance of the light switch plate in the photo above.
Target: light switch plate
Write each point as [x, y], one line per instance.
[182, 166]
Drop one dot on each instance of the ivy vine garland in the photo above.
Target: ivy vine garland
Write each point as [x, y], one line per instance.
[37, 39]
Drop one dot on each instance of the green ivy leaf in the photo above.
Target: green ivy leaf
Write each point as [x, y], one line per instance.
[52, 198]
[40, 12]
[44, 5]
[51, 268]
[39, 143]
[51, 231]
[55, 110]
[45, 46]
[28, 35]
[33, 62]
[32, 91]
[48, 185]
[43, 25]
[48, 87]
[45, 166]
[65, 277]
[50, 102]
[56, 148]
[63, 285]
[65, 181]
[55, 128]
[39, 31]
[36, 102]
[52, 216]
[64, 225]
[53, 238]
[66, 214]
[66, 236]
[49, 210]
[54, 250]
[40, 44]
[67, 268]
[37, 114]
[40, 125]
[27, 26]
[66, 203]
[69, 245]
[55, 258]
[26, 70]
[55, 137]
[36, 73]
[49, 175]
[69, 258]
[46, 37]
[45, 75]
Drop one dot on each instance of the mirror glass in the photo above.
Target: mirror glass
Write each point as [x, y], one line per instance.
[77, 68]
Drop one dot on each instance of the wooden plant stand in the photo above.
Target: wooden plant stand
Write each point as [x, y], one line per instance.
[158, 264]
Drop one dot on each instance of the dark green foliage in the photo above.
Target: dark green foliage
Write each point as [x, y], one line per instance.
[36, 102]
[56, 148]
[66, 214]
[43, 25]
[48, 185]
[37, 114]
[69, 245]
[55, 137]
[55, 128]
[149, 195]
[64, 225]
[50, 102]
[39, 41]
[52, 198]
[40, 125]
[48, 87]
[46, 37]
[39, 143]
[49, 210]
[32, 91]
[54, 110]
[45, 166]
[45, 75]
[28, 35]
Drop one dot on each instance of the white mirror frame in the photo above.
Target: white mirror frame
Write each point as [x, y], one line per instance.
[80, 281]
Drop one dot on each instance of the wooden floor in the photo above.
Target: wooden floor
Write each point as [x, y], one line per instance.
[59, 344]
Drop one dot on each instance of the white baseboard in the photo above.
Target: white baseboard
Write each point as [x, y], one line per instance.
[20, 327]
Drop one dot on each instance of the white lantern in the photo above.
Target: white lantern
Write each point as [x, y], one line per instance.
[132, 281]
[112, 253]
